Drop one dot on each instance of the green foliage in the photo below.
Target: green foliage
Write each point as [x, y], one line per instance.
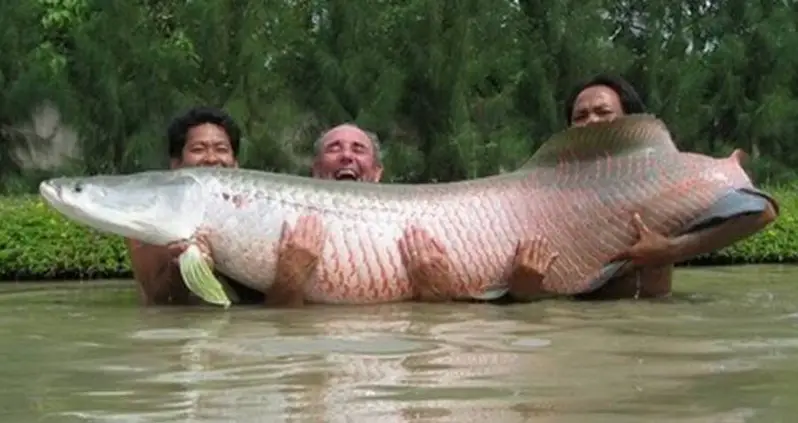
[36, 243]
[454, 90]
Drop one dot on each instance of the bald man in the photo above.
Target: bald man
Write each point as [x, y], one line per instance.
[347, 153]
[350, 153]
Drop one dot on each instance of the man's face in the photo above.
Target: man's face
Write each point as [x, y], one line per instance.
[598, 103]
[206, 145]
[347, 153]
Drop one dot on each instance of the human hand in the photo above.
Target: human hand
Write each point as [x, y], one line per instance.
[427, 264]
[201, 239]
[531, 263]
[651, 248]
[300, 248]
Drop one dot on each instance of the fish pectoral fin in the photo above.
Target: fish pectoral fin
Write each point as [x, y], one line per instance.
[199, 277]
[229, 291]
[492, 292]
[609, 271]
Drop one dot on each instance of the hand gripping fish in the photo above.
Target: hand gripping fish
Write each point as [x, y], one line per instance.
[578, 191]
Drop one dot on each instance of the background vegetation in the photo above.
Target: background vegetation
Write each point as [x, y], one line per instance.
[455, 89]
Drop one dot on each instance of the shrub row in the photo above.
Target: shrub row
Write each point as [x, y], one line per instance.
[36, 243]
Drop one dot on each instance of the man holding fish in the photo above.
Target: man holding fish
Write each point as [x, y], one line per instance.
[209, 137]
[348, 152]
[202, 136]
[607, 97]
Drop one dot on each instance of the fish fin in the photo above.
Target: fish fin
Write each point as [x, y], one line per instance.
[199, 277]
[492, 293]
[609, 271]
[620, 136]
[228, 289]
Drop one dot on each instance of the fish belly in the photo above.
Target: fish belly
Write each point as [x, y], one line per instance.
[360, 261]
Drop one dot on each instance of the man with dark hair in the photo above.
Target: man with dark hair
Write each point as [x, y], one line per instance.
[601, 98]
[604, 98]
[202, 136]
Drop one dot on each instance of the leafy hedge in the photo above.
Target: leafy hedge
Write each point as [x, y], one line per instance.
[37, 243]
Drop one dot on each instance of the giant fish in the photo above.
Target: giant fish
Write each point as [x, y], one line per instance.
[578, 191]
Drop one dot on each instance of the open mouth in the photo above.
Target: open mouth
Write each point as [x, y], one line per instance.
[346, 175]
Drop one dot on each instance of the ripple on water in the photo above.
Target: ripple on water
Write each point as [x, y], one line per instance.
[249, 374]
[170, 334]
[531, 343]
[718, 361]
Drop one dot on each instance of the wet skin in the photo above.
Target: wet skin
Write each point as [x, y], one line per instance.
[653, 257]
[346, 153]
[155, 267]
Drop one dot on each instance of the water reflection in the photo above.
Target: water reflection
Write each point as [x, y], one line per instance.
[729, 358]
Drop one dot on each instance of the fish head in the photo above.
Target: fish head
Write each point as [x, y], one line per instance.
[153, 207]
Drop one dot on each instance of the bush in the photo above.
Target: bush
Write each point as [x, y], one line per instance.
[36, 243]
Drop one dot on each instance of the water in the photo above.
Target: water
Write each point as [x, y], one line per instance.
[725, 349]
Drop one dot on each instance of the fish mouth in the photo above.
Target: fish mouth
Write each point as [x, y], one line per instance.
[49, 192]
[346, 175]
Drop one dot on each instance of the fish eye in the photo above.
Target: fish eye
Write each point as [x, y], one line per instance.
[78, 188]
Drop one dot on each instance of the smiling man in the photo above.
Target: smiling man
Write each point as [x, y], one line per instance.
[343, 153]
[347, 152]
[200, 137]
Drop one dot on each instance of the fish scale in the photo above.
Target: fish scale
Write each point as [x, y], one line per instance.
[480, 222]
[578, 192]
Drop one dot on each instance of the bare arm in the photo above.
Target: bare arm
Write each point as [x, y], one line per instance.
[654, 279]
[708, 240]
[158, 277]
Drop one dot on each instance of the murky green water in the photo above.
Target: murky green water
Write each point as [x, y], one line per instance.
[724, 350]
